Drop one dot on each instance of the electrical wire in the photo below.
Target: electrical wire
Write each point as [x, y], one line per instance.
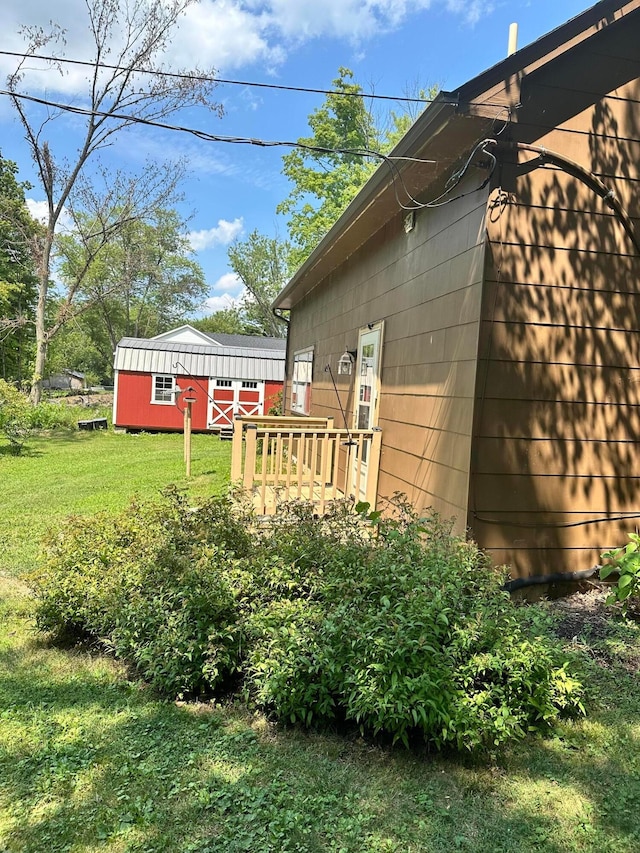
[202, 134]
[205, 136]
[228, 82]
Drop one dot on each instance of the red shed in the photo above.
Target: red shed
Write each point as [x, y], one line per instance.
[228, 375]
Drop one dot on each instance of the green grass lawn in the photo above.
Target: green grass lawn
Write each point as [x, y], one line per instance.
[90, 760]
[72, 472]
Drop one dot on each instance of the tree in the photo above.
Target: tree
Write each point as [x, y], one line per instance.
[132, 37]
[323, 182]
[263, 264]
[18, 242]
[228, 321]
[143, 282]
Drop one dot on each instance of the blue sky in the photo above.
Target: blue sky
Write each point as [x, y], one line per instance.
[391, 45]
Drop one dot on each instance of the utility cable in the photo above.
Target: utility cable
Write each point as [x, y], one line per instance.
[204, 78]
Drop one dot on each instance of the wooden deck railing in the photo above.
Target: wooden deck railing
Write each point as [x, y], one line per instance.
[277, 459]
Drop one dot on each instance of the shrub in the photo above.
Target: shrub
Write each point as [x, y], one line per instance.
[14, 416]
[394, 624]
[626, 562]
[153, 586]
[408, 632]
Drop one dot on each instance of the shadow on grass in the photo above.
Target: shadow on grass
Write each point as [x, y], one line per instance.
[16, 453]
[91, 761]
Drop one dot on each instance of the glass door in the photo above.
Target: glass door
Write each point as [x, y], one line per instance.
[366, 394]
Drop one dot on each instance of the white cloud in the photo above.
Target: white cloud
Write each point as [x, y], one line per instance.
[40, 211]
[221, 235]
[226, 34]
[220, 303]
[229, 282]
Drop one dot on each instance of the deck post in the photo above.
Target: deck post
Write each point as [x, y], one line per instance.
[250, 457]
[236, 450]
[371, 492]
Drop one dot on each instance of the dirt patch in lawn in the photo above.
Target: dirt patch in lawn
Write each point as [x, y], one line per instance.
[105, 399]
[587, 622]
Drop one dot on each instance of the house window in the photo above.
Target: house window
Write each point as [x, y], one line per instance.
[163, 389]
[301, 381]
[248, 384]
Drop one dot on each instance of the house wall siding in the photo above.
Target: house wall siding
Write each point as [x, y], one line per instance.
[557, 416]
[426, 286]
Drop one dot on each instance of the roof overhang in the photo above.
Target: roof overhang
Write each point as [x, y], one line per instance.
[439, 139]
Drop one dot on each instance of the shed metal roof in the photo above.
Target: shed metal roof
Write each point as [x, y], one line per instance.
[232, 362]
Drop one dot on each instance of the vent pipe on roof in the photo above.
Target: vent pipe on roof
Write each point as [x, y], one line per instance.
[513, 39]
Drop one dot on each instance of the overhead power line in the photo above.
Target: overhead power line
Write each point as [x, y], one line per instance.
[390, 161]
[221, 80]
[203, 134]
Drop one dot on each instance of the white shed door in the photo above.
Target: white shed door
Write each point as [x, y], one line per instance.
[231, 397]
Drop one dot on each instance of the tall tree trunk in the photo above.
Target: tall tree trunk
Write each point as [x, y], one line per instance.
[42, 338]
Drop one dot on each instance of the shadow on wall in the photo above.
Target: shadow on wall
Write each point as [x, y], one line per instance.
[558, 414]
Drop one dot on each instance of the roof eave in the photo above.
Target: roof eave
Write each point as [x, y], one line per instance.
[433, 118]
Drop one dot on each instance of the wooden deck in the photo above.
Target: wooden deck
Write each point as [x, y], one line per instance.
[280, 459]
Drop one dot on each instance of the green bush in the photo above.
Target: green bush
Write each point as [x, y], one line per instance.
[394, 625]
[408, 633]
[49, 415]
[153, 586]
[625, 562]
[14, 416]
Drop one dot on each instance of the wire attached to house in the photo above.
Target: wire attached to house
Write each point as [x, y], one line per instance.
[607, 194]
[453, 181]
[205, 78]
[365, 153]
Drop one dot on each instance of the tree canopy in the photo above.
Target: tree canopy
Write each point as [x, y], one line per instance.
[19, 234]
[325, 181]
[134, 36]
[142, 283]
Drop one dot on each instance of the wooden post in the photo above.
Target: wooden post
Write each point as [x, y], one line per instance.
[188, 403]
[236, 450]
[187, 435]
[250, 456]
[184, 434]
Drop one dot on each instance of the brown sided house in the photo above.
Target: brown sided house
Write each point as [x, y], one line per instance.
[488, 290]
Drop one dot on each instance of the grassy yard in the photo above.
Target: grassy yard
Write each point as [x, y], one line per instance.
[70, 472]
[90, 760]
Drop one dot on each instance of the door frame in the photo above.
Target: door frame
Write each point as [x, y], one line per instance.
[376, 331]
[235, 406]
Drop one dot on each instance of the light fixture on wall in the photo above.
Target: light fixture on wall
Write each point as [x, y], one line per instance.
[346, 362]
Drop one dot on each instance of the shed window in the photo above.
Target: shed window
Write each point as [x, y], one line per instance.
[163, 389]
[301, 381]
[249, 384]
[223, 383]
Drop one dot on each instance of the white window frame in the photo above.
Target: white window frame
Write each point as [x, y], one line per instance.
[154, 390]
[302, 381]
